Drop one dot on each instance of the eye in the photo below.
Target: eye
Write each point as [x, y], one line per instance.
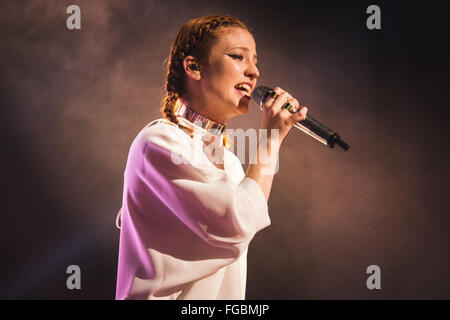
[236, 56]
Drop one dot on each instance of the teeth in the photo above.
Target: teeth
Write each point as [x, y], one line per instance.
[244, 86]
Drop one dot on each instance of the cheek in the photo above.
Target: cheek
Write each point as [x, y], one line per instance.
[223, 77]
[229, 77]
[234, 70]
[229, 72]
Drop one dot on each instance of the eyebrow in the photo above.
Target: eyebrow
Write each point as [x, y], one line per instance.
[246, 49]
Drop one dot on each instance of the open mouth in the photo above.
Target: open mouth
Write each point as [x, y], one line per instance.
[244, 89]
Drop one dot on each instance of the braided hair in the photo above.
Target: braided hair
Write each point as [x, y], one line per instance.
[196, 38]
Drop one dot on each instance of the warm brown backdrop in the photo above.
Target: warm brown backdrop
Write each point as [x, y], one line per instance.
[72, 102]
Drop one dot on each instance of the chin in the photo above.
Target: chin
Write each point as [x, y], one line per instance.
[243, 110]
[243, 105]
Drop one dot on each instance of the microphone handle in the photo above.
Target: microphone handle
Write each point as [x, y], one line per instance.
[321, 133]
[309, 126]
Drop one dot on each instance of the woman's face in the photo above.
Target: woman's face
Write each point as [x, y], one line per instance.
[232, 62]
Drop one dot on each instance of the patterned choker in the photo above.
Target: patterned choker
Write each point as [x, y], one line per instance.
[185, 113]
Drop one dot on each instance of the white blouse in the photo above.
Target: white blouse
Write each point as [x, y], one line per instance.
[185, 225]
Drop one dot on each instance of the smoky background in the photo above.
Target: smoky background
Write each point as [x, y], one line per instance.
[73, 101]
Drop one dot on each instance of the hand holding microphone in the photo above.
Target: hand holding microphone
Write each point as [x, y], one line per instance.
[274, 101]
[281, 111]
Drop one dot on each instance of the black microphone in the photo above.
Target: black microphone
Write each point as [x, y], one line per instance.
[309, 126]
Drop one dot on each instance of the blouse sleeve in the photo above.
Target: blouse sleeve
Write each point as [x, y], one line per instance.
[187, 210]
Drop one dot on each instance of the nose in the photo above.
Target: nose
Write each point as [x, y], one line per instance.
[252, 71]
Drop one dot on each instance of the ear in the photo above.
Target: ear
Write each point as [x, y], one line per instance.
[192, 68]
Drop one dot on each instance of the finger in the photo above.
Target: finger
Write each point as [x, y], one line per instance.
[294, 102]
[300, 115]
[291, 105]
[272, 97]
[280, 101]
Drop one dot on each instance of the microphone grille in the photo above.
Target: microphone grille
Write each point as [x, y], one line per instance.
[260, 94]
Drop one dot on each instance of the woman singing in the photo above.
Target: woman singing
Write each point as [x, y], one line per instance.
[188, 215]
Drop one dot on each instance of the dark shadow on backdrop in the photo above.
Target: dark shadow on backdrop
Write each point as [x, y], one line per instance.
[72, 102]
